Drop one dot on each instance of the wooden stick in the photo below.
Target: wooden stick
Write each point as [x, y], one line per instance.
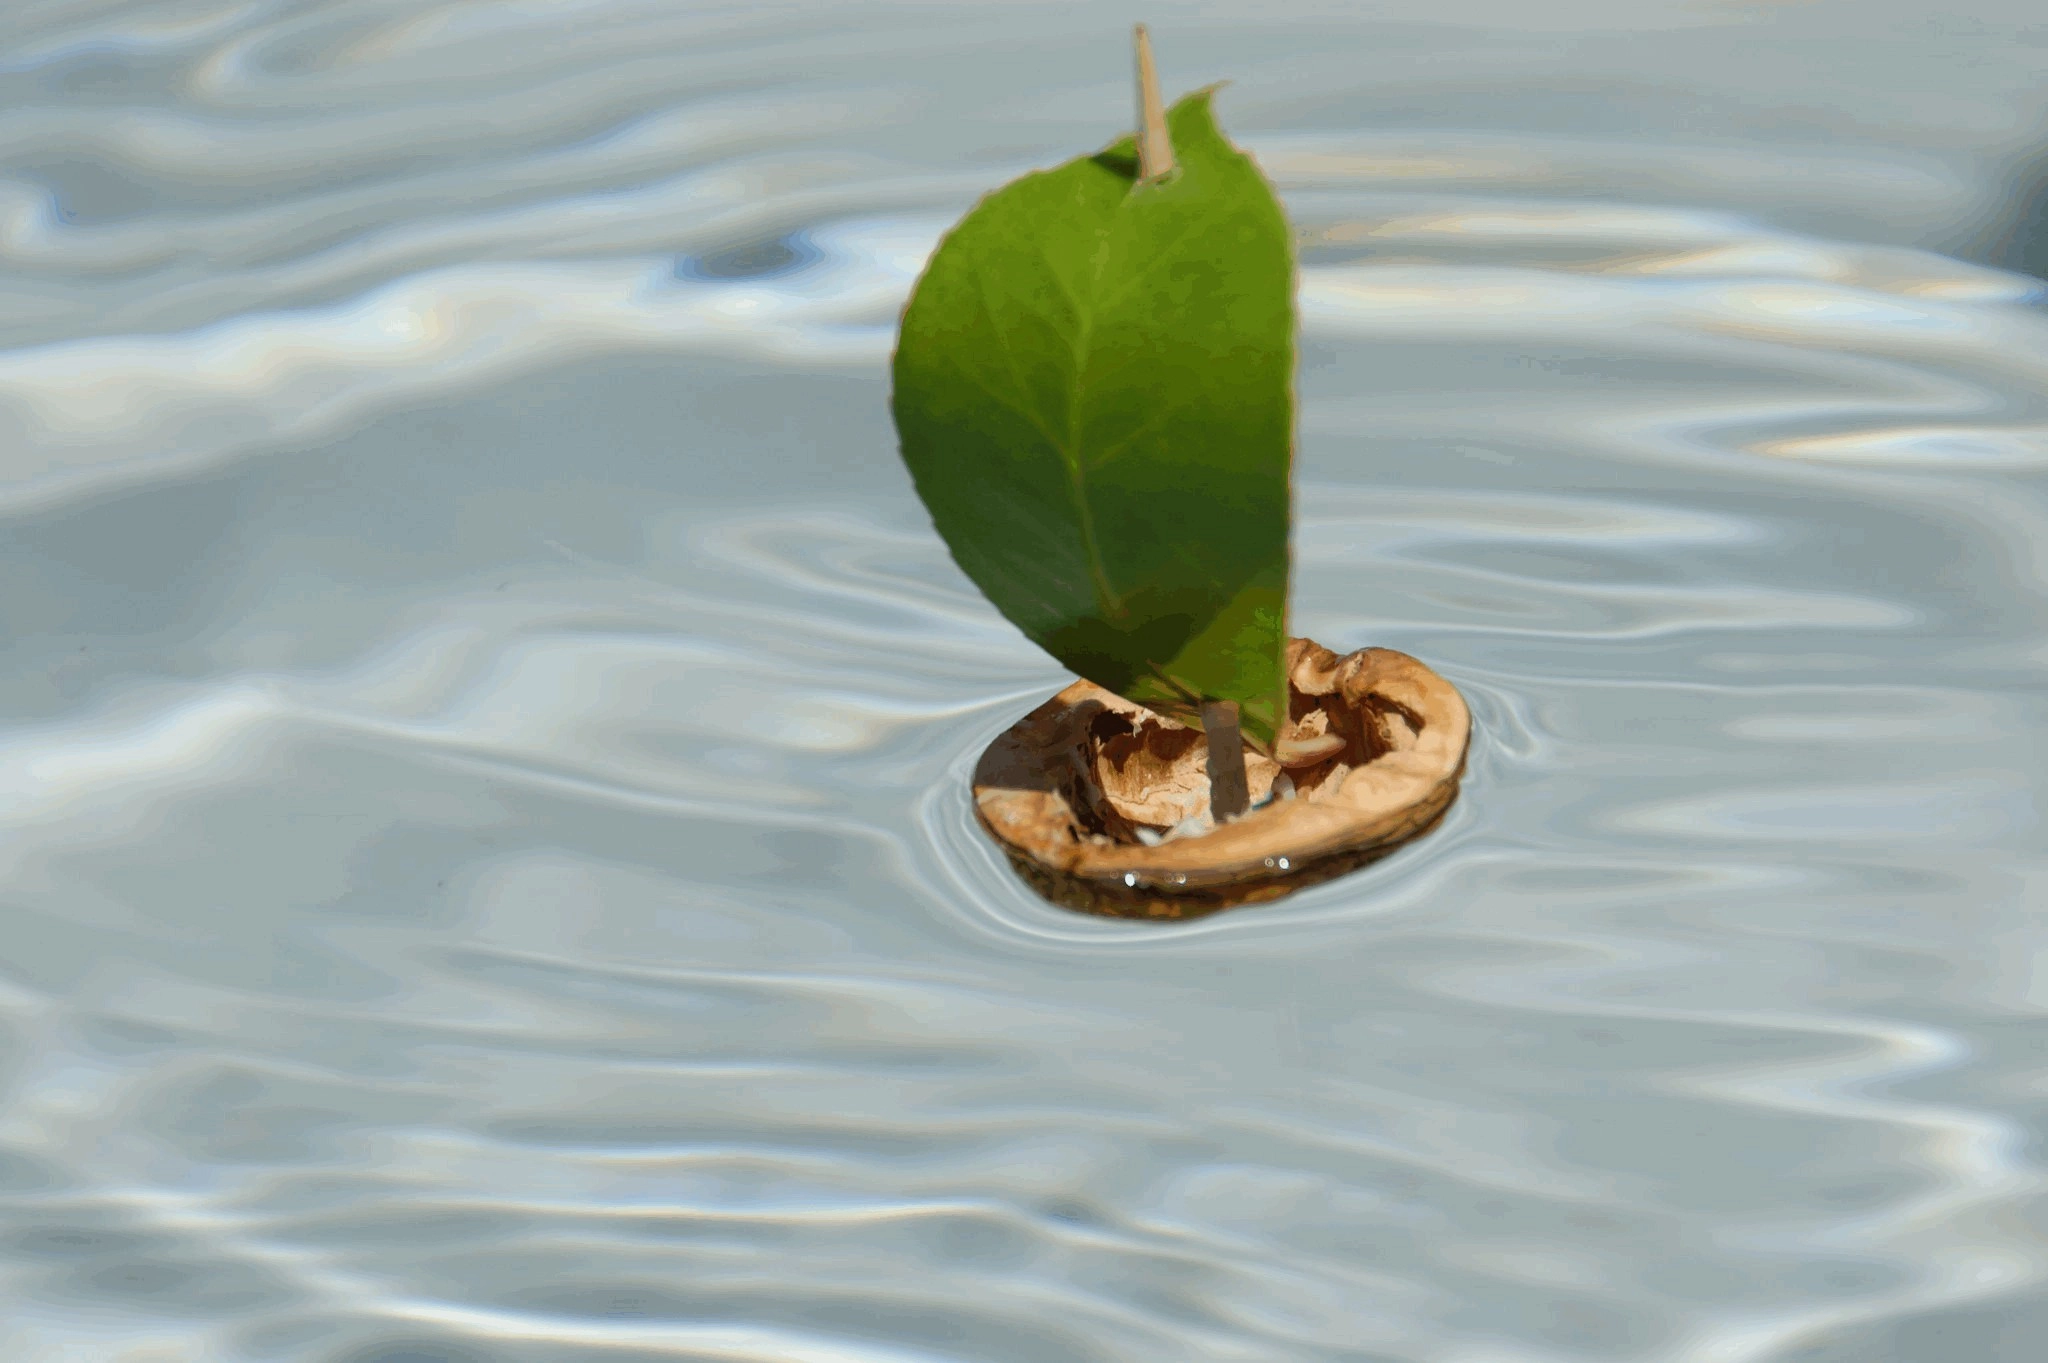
[1155, 148]
[1229, 789]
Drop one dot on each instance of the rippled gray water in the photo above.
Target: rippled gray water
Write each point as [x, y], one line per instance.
[485, 863]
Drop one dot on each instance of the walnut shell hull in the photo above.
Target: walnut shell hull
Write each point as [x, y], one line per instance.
[1078, 791]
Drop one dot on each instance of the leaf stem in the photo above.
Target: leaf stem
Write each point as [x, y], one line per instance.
[1155, 148]
[1229, 789]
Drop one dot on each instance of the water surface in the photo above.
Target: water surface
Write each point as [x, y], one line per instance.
[487, 866]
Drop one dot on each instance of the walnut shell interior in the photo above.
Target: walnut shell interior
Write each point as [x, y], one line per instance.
[1085, 794]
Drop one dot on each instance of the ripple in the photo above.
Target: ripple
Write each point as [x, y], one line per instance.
[767, 258]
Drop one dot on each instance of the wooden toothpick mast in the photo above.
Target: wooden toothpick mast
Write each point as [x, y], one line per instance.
[1229, 786]
[1155, 148]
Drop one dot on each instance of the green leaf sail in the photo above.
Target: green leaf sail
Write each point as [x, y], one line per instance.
[1094, 390]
